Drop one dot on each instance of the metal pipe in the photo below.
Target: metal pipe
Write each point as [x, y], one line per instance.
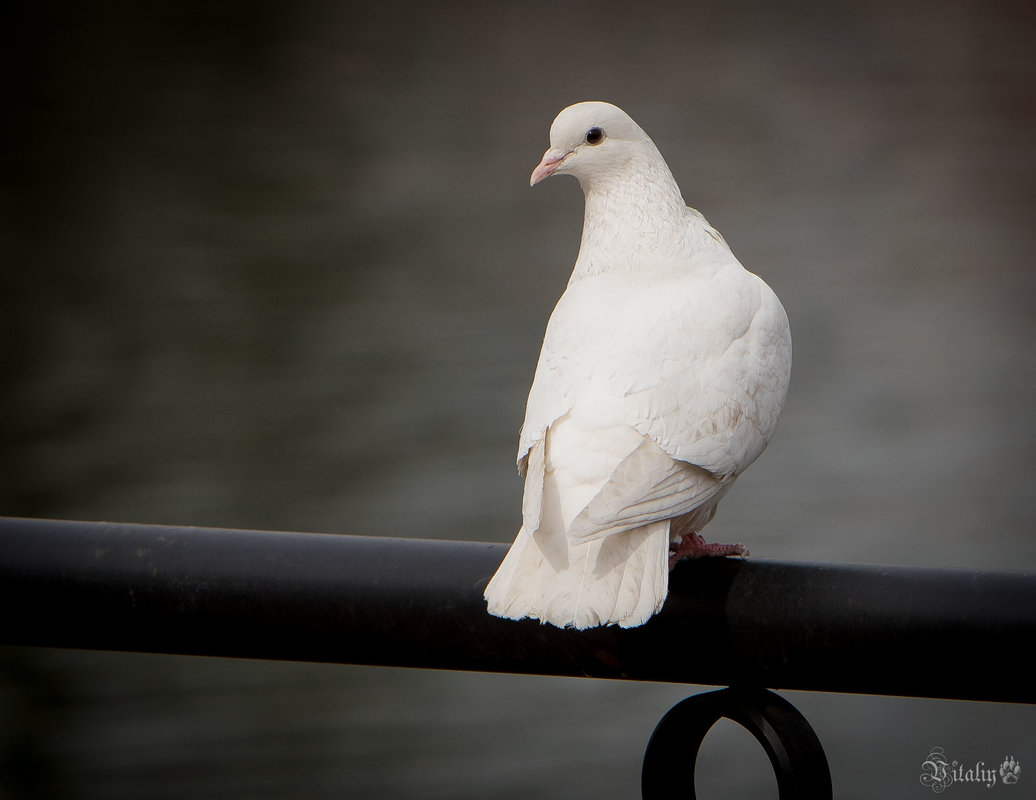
[961, 634]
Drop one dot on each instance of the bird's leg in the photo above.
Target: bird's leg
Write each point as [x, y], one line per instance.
[693, 546]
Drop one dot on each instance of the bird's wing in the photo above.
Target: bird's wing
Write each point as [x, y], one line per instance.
[604, 479]
[699, 363]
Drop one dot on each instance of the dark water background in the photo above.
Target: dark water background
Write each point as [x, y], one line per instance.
[277, 266]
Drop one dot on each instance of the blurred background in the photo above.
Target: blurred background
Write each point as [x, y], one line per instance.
[277, 265]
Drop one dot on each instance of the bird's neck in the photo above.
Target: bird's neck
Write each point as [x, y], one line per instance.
[633, 217]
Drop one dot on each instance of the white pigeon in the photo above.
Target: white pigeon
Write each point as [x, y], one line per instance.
[663, 371]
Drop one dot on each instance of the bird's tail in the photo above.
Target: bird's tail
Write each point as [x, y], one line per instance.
[619, 579]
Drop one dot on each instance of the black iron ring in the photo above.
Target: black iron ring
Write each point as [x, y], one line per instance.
[790, 743]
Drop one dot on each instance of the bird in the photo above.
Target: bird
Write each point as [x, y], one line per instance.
[663, 371]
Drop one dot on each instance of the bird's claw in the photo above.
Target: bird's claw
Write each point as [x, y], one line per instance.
[694, 546]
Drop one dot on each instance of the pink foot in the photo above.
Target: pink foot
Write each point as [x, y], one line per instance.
[693, 546]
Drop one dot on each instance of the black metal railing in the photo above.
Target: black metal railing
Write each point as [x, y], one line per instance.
[751, 625]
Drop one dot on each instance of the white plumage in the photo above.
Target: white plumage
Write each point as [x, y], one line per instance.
[663, 371]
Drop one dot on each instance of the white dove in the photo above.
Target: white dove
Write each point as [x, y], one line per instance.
[663, 371]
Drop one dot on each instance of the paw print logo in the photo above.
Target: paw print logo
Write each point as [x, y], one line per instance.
[1010, 770]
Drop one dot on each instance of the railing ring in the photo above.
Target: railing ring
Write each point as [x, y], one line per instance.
[790, 743]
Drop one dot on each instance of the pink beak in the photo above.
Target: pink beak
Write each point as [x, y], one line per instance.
[550, 163]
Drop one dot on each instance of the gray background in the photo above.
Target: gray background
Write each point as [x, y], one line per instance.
[277, 266]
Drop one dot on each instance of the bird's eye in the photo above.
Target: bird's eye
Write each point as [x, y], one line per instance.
[594, 136]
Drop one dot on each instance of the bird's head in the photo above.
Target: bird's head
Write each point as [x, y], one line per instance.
[591, 140]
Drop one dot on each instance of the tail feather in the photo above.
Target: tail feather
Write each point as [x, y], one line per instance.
[644, 582]
[621, 579]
